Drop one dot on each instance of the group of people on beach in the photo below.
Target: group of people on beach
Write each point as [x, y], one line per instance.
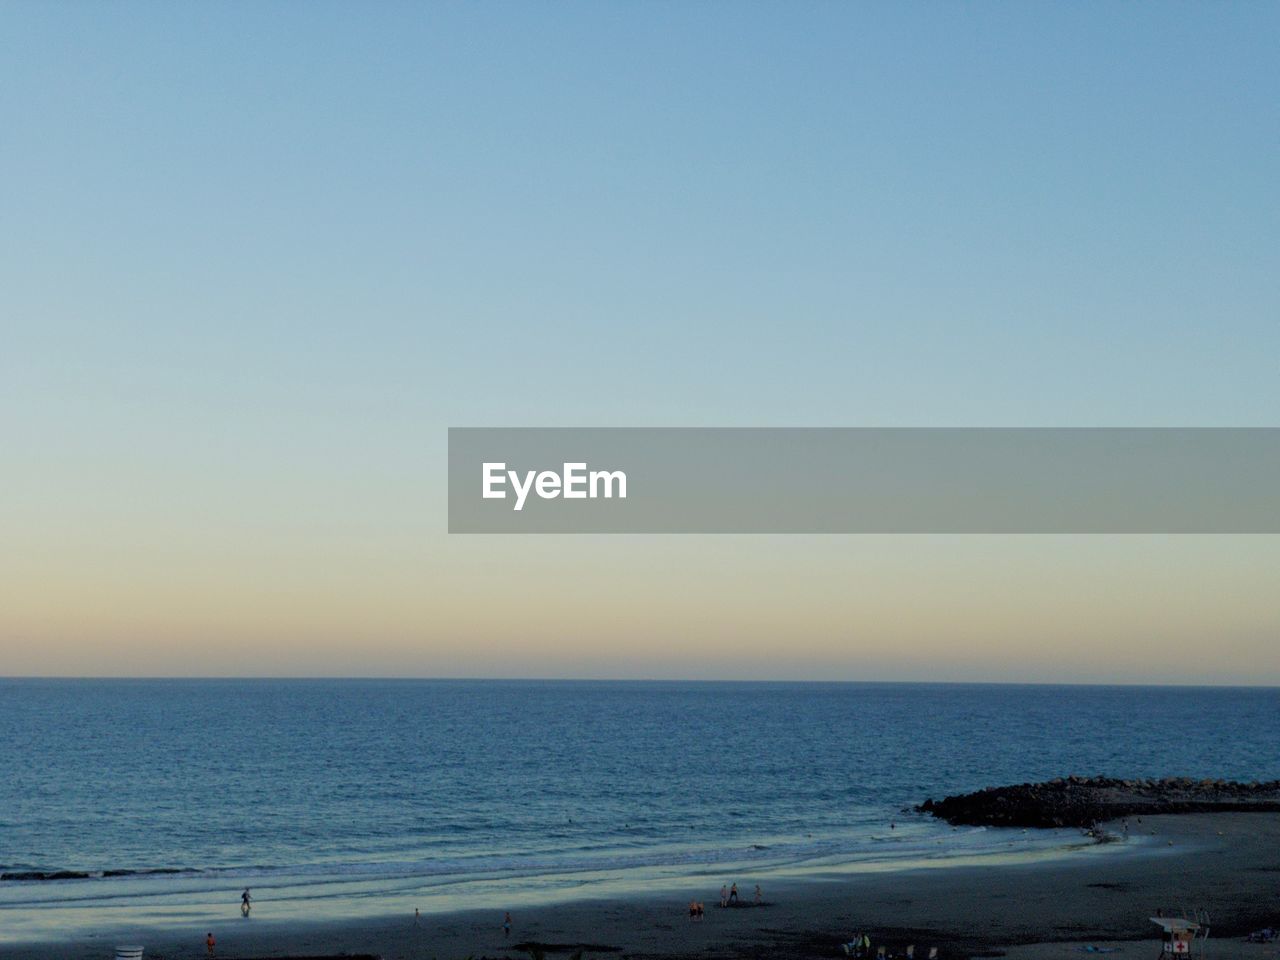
[728, 898]
[246, 904]
[860, 947]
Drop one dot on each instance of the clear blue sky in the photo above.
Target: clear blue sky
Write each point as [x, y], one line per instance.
[256, 257]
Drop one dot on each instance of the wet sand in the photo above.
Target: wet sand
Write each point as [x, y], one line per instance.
[1227, 864]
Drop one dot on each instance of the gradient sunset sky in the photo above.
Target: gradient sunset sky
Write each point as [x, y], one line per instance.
[256, 258]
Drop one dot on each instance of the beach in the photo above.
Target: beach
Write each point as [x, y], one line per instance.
[480, 479]
[1103, 896]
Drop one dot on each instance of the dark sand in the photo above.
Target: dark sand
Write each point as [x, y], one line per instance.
[1228, 864]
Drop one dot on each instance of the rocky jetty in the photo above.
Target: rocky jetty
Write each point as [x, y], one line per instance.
[1087, 801]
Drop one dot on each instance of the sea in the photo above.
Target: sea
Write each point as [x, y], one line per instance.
[126, 804]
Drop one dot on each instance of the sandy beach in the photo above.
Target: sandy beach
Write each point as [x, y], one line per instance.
[1227, 864]
[481, 478]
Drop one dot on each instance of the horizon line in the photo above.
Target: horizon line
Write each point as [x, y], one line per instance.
[314, 678]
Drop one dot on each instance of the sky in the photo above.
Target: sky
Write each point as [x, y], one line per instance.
[256, 258]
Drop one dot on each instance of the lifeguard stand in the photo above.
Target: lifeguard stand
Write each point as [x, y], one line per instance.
[1177, 935]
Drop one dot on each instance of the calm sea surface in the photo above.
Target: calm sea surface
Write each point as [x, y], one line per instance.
[348, 798]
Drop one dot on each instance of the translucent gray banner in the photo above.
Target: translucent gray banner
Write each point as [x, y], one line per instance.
[863, 480]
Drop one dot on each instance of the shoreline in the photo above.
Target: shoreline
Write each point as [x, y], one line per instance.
[1226, 863]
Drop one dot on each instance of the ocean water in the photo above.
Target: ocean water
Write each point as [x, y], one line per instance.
[158, 800]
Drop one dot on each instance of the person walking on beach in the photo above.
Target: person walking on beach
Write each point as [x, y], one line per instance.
[209, 944]
[759, 896]
[724, 895]
[733, 895]
[417, 917]
[506, 924]
[244, 903]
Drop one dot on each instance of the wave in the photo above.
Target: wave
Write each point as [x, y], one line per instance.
[33, 876]
[930, 844]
